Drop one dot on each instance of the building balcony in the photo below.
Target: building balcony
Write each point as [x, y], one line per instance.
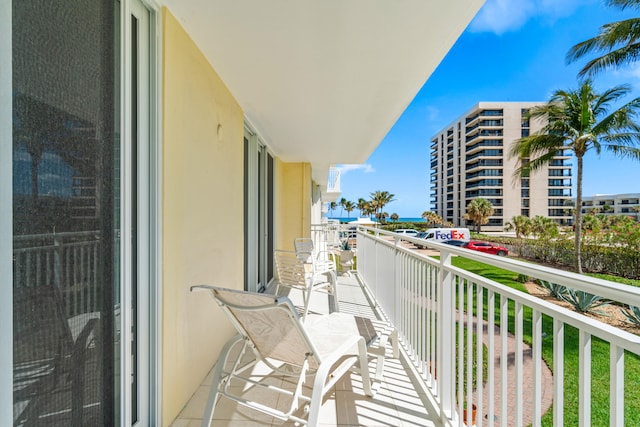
[333, 190]
[432, 305]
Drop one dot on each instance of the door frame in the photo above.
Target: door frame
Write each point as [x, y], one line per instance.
[6, 216]
[149, 209]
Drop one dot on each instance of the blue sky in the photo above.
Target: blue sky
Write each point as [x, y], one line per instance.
[514, 50]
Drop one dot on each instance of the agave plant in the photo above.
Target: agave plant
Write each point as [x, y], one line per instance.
[584, 302]
[555, 290]
[632, 314]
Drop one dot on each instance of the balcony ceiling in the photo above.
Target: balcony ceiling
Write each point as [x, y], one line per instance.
[323, 81]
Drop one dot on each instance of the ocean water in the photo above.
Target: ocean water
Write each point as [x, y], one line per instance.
[353, 218]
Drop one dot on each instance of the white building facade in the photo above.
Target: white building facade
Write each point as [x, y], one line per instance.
[613, 204]
[470, 159]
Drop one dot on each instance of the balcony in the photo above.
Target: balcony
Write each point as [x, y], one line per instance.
[333, 190]
[432, 304]
[397, 402]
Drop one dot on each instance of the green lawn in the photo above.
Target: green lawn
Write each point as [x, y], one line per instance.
[600, 359]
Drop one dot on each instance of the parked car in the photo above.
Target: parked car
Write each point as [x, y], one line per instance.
[488, 248]
[459, 243]
[410, 232]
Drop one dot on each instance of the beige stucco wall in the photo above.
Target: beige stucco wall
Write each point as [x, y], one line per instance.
[293, 203]
[202, 213]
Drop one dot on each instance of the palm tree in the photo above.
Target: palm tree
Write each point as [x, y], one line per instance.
[349, 206]
[617, 42]
[521, 224]
[432, 218]
[332, 207]
[379, 199]
[394, 217]
[479, 210]
[579, 121]
[544, 227]
[341, 203]
[367, 209]
[362, 204]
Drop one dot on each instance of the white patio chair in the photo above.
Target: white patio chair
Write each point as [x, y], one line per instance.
[326, 349]
[298, 270]
[321, 257]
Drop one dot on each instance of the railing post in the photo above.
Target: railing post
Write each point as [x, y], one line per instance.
[58, 252]
[445, 353]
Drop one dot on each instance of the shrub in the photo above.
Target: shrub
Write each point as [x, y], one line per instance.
[632, 313]
[584, 302]
[554, 289]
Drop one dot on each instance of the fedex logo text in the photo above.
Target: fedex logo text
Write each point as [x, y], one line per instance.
[449, 235]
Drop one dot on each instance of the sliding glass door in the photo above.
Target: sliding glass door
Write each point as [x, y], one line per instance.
[80, 170]
[259, 207]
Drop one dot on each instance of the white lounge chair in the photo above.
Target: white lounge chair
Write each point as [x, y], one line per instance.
[326, 347]
[299, 270]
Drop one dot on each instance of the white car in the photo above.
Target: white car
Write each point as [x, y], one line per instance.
[410, 232]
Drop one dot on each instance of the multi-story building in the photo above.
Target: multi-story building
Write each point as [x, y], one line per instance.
[470, 159]
[613, 204]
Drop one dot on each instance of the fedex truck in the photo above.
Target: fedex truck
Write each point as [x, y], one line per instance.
[444, 234]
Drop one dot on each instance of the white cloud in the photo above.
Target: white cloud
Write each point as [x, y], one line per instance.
[501, 16]
[366, 168]
[629, 73]
[432, 113]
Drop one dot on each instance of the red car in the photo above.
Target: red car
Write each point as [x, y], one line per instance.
[488, 248]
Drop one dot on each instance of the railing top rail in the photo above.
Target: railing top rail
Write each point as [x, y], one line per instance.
[610, 290]
[23, 237]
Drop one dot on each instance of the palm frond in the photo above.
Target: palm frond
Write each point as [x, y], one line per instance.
[614, 59]
[602, 103]
[624, 151]
[609, 36]
[623, 4]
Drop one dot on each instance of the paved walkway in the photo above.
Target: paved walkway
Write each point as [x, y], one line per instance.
[527, 381]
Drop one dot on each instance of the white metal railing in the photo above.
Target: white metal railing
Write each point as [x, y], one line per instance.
[327, 234]
[433, 305]
[69, 261]
[333, 182]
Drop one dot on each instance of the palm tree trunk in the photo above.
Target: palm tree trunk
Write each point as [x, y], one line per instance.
[578, 221]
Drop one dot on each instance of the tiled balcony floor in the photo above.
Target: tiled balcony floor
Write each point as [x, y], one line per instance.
[395, 404]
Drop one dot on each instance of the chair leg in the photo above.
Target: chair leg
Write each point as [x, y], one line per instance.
[394, 343]
[364, 368]
[333, 279]
[214, 393]
[306, 299]
[317, 394]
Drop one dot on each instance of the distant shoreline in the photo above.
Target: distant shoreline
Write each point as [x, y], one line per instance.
[353, 218]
